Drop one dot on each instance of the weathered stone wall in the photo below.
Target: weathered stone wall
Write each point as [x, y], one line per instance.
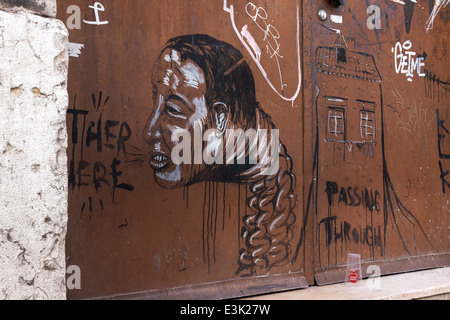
[33, 142]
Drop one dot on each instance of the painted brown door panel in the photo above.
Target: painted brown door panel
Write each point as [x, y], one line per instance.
[375, 119]
[148, 77]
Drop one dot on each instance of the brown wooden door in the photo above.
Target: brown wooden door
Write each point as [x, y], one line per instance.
[376, 118]
[146, 73]
[343, 125]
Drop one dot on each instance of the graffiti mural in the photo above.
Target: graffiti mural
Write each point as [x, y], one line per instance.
[181, 167]
[367, 127]
[202, 84]
[225, 148]
[353, 129]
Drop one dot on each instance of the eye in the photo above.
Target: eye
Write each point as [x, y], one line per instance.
[173, 110]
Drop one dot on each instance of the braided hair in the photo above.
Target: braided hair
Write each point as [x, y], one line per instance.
[267, 228]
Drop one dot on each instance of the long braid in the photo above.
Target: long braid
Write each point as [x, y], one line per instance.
[268, 227]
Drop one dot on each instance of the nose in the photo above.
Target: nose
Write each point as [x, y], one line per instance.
[152, 130]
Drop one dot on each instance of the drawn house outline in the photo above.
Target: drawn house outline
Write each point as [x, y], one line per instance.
[363, 127]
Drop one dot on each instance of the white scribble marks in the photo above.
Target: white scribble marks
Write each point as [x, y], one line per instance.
[193, 75]
[252, 42]
[438, 5]
[272, 47]
[97, 7]
[174, 57]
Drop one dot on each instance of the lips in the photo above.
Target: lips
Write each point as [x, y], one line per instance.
[160, 158]
[159, 161]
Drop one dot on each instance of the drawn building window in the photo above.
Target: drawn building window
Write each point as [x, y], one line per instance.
[367, 125]
[336, 128]
[336, 121]
[367, 120]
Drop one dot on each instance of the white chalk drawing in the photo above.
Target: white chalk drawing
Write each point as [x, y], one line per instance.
[97, 7]
[252, 42]
[438, 5]
[271, 35]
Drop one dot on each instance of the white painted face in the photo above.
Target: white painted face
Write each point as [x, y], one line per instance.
[180, 104]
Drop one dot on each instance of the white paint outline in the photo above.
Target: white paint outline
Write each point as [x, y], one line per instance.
[230, 10]
[438, 5]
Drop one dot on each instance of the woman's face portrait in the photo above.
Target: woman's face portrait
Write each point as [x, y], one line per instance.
[179, 91]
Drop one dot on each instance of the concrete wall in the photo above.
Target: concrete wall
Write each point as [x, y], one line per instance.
[33, 142]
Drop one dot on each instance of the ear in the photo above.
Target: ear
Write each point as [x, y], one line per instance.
[221, 116]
